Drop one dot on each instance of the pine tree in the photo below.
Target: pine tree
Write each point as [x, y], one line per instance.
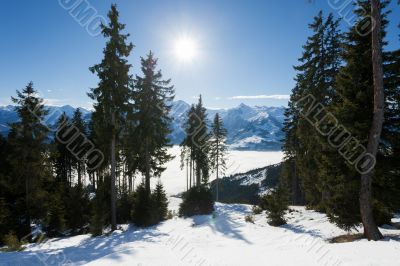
[196, 148]
[371, 230]
[55, 222]
[201, 143]
[316, 75]
[61, 156]
[100, 213]
[218, 149]
[27, 147]
[112, 95]
[124, 206]
[276, 204]
[197, 201]
[160, 203]
[7, 195]
[142, 214]
[79, 123]
[187, 145]
[354, 109]
[387, 189]
[152, 98]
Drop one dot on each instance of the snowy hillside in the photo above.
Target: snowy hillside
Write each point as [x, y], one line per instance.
[246, 187]
[249, 128]
[220, 239]
[174, 179]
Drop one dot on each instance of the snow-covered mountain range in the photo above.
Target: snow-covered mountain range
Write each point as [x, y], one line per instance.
[247, 187]
[249, 128]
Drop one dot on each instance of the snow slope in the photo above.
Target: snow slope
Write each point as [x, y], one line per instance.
[174, 179]
[222, 239]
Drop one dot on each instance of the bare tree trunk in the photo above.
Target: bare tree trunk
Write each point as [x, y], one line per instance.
[187, 174]
[198, 176]
[191, 171]
[79, 174]
[130, 182]
[113, 190]
[371, 231]
[217, 188]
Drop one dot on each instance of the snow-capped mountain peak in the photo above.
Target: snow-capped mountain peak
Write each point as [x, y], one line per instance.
[249, 128]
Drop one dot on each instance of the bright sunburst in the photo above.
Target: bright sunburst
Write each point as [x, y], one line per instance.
[185, 49]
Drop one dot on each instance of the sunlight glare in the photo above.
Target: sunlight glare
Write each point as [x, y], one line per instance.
[185, 49]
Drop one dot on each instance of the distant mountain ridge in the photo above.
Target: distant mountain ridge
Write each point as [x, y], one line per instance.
[247, 187]
[249, 128]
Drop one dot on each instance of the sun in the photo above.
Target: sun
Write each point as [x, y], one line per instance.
[185, 49]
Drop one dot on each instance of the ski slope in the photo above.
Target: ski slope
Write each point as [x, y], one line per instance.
[220, 239]
[223, 238]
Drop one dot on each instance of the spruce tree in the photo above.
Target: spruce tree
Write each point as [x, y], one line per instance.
[55, 222]
[354, 109]
[218, 149]
[142, 213]
[201, 143]
[99, 205]
[371, 230]
[7, 195]
[316, 75]
[276, 203]
[159, 202]
[27, 147]
[61, 156]
[388, 189]
[112, 95]
[187, 145]
[196, 147]
[79, 164]
[152, 98]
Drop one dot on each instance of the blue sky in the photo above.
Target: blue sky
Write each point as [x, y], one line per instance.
[245, 48]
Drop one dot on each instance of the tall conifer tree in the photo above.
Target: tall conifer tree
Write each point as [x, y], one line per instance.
[152, 98]
[112, 94]
[27, 142]
[218, 149]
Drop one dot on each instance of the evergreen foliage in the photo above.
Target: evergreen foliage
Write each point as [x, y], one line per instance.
[336, 69]
[100, 215]
[141, 212]
[150, 209]
[276, 203]
[12, 242]
[27, 147]
[160, 203]
[218, 149]
[197, 201]
[152, 98]
[196, 145]
[111, 97]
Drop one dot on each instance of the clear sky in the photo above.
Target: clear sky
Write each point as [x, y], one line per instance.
[242, 48]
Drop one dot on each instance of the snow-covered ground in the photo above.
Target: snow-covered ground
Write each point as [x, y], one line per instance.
[174, 179]
[220, 239]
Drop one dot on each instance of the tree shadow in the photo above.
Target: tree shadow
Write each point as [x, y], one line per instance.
[223, 222]
[87, 250]
[299, 229]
